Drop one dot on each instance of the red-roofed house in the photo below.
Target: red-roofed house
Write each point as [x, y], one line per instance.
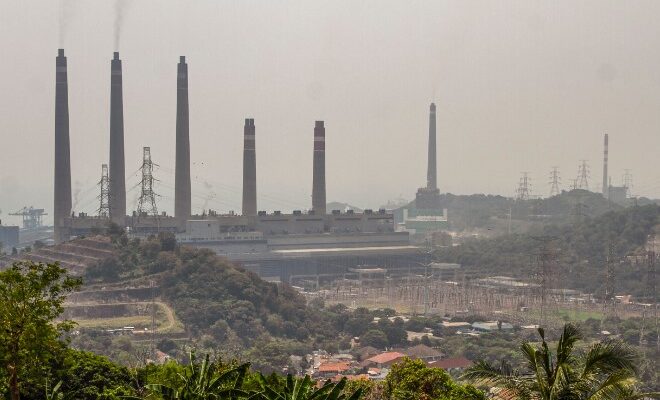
[331, 369]
[383, 359]
[451, 364]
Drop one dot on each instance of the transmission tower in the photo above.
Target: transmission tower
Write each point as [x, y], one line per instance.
[627, 182]
[555, 179]
[524, 187]
[104, 207]
[147, 201]
[583, 176]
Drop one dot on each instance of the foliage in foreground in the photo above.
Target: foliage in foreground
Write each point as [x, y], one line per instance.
[31, 298]
[607, 370]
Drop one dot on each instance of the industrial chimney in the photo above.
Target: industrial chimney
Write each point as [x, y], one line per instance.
[117, 167]
[62, 195]
[318, 185]
[182, 192]
[249, 169]
[606, 188]
[432, 172]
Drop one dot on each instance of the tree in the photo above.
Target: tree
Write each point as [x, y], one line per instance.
[31, 298]
[375, 338]
[86, 375]
[201, 381]
[305, 389]
[413, 380]
[607, 370]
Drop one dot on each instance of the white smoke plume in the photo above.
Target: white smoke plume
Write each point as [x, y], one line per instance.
[121, 6]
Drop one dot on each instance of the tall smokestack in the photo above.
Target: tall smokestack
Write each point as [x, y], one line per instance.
[432, 172]
[605, 157]
[182, 191]
[318, 185]
[117, 168]
[62, 195]
[249, 169]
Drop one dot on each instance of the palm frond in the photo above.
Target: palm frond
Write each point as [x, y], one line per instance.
[608, 357]
[483, 373]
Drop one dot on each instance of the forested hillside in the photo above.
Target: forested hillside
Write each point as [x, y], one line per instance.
[580, 248]
[467, 212]
[219, 302]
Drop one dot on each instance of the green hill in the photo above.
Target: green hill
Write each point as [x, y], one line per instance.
[580, 247]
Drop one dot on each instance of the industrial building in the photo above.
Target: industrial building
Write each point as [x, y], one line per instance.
[615, 194]
[426, 214]
[276, 245]
[8, 238]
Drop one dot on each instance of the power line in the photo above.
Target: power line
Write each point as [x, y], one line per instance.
[524, 185]
[147, 201]
[627, 182]
[555, 179]
[104, 206]
[583, 176]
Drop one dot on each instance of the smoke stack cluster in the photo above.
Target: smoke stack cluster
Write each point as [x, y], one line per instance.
[182, 191]
[249, 169]
[62, 195]
[117, 167]
[432, 172]
[605, 159]
[318, 184]
[116, 193]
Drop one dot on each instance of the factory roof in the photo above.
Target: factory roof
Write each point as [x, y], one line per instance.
[342, 249]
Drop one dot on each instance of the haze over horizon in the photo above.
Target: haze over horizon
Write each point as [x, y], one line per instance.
[519, 86]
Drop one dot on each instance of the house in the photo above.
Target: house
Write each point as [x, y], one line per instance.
[417, 335]
[330, 369]
[492, 326]
[451, 364]
[421, 352]
[455, 324]
[383, 359]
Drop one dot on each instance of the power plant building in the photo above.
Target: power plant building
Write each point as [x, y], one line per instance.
[267, 243]
[425, 215]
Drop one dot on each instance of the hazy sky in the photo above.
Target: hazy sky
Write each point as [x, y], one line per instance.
[520, 86]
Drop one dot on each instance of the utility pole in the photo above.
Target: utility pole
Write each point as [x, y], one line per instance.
[609, 274]
[583, 176]
[547, 261]
[153, 320]
[524, 185]
[554, 181]
[147, 201]
[104, 207]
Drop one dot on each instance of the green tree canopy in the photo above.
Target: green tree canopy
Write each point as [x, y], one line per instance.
[607, 370]
[413, 380]
[31, 298]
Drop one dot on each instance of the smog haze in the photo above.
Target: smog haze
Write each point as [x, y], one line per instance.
[519, 86]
